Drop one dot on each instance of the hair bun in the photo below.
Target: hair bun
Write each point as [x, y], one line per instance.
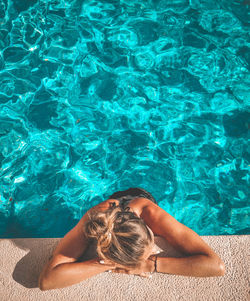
[120, 235]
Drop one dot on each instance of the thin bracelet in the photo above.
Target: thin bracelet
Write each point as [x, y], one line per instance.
[155, 263]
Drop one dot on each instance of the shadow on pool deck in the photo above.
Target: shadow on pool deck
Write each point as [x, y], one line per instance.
[23, 259]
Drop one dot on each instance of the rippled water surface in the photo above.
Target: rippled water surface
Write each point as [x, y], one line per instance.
[100, 96]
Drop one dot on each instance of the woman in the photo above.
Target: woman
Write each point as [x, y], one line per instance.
[124, 237]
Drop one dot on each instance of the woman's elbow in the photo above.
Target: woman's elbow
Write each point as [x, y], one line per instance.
[43, 285]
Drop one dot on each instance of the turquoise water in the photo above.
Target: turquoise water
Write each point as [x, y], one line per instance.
[100, 96]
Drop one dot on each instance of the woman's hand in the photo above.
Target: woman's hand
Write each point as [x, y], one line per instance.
[144, 270]
[110, 265]
[131, 271]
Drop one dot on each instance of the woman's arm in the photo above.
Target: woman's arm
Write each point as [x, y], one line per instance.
[67, 274]
[195, 266]
[63, 269]
[201, 260]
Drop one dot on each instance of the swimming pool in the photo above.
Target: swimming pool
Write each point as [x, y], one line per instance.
[100, 96]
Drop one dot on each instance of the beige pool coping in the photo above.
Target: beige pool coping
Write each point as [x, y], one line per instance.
[22, 261]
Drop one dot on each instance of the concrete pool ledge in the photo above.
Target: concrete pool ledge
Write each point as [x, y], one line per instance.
[22, 261]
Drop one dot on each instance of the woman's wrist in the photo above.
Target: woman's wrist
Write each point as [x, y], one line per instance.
[107, 265]
[151, 263]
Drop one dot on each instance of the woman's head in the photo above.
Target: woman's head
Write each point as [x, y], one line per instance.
[121, 236]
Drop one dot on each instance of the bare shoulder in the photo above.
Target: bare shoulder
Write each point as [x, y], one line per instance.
[154, 215]
[138, 205]
[183, 238]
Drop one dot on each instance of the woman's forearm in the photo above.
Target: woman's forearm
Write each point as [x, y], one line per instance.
[67, 274]
[196, 266]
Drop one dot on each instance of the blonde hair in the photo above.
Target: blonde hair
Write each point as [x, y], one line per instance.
[121, 235]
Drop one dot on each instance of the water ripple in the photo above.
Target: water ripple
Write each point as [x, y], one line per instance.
[99, 96]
